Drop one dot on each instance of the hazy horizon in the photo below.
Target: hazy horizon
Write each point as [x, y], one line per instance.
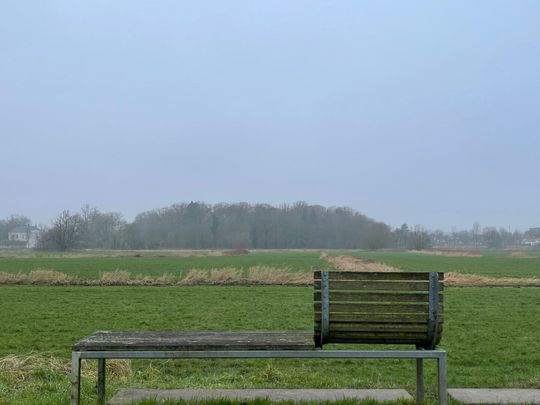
[419, 113]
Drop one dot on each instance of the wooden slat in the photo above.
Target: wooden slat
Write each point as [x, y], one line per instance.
[375, 308]
[375, 327]
[371, 275]
[379, 335]
[353, 296]
[268, 340]
[391, 341]
[375, 318]
[376, 285]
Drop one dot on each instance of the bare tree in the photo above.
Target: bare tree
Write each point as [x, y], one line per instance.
[66, 231]
[476, 232]
[419, 238]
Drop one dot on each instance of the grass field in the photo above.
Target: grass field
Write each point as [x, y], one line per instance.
[495, 264]
[93, 264]
[491, 334]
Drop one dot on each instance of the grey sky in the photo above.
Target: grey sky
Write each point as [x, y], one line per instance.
[418, 112]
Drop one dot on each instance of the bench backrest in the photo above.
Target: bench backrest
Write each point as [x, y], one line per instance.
[378, 307]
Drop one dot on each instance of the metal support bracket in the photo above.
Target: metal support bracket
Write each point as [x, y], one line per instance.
[433, 309]
[325, 307]
[439, 355]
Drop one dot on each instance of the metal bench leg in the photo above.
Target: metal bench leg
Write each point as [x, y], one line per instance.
[75, 378]
[419, 381]
[441, 362]
[101, 382]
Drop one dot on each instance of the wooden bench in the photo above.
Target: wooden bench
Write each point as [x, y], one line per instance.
[349, 308]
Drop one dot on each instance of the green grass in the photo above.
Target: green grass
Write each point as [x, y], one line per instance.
[495, 264]
[491, 335]
[153, 264]
[156, 263]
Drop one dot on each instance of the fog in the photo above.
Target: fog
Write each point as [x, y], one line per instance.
[418, 113]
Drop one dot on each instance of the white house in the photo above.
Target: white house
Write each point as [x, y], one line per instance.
[25, 233]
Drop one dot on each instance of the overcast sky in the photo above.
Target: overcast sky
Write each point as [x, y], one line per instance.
[419, 112]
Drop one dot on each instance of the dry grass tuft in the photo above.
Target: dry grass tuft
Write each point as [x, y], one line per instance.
[120, 368]
[13, 278]
[21, 367]
[474, 280]
[518, 255]
[141, 279]
[41, 276]
[447, 253]
[523, 255]
[166, 279]
[349, 263]
[216, 253]
[226, 275]
[38, 276]
[280, 276]
[116, 277]
[262, 275]
[159, 253]
[195, 276]
[117, 368]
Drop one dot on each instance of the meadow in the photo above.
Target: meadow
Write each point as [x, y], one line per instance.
[487, 263]
[491, 334]
[91, 265]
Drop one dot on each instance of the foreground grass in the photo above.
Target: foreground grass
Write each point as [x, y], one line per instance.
[491, 335]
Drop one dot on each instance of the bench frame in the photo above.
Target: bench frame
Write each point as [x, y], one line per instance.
[419, 355]
[317, 353]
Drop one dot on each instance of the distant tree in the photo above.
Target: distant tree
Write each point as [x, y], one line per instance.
[377, 236]
[65, 234]
[439, 238]
[197, 225]
[401, 236]
[476, 234]
[100, 229]
[419, 238]
[492, 238]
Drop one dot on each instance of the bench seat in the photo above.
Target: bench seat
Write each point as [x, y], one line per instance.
[195, 341]
[349, 307]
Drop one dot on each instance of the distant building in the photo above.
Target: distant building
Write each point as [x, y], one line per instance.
[533, 233]
[25, 233]
[532, 237]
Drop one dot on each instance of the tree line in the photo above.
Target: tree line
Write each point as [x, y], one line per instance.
[198, 225]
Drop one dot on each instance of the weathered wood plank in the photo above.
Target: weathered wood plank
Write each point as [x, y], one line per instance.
[267, 340]
[375, 327]
[376, 285]
[380, 335]
[376, 276]
[353, 296]
[375, 318]
[379, 340]
[381, 327]
[419, 308]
